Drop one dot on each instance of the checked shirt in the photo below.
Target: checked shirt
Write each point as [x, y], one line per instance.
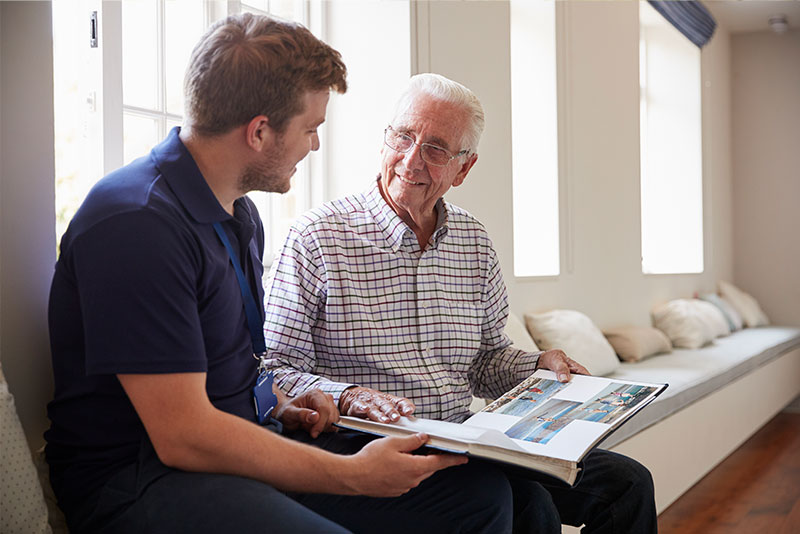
[352, 300]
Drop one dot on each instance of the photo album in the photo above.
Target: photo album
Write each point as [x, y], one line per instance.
[542, 424]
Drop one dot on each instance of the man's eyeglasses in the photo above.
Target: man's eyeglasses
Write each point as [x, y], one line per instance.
[431, 154]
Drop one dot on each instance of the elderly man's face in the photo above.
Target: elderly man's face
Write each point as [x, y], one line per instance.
[411, 184]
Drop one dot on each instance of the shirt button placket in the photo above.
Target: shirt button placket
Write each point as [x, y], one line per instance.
[428, 317]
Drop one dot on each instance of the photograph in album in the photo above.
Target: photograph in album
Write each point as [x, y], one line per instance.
[542, 425]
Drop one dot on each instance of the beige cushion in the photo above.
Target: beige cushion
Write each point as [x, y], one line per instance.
[575, 334]
[635, 343]
[519, 335]
[684, 323]
[745, 304]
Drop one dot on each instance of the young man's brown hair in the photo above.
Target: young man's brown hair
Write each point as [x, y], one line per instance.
[248, 65]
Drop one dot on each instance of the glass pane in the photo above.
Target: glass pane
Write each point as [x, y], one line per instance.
[278, 212]
[671, 153]
[184, 26]
[140, 134]
[534, 138]
[288, 9]
[77, 123]
[255, 5]
[140, 53]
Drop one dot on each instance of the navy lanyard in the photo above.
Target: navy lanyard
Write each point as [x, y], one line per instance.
[250, 308]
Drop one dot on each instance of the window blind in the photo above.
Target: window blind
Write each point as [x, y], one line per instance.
[691, 18]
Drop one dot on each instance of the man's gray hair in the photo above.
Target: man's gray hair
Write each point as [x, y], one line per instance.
[447, 90]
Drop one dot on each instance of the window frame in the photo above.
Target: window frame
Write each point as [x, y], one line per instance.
[108, 99]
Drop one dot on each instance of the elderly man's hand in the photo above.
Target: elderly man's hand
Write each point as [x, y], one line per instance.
[561, 364]
[375, 405]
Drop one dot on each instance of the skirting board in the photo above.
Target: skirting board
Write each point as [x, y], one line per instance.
[713, 426]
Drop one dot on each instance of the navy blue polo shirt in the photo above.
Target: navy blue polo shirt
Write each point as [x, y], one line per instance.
[144, 285]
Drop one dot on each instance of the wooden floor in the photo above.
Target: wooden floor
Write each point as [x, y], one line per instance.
[756, 489]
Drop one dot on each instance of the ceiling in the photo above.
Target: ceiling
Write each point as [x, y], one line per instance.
[752, 15]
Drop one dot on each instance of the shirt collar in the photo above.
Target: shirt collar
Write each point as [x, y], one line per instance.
[179, 169]
[393, 228]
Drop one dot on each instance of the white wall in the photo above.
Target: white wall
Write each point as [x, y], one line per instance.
[601, 271]
[766, 176]
[467, 41]
[27, 214]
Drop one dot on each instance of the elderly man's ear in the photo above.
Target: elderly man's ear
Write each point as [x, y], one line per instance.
[465, 168]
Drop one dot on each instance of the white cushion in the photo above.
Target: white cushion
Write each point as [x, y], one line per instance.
[729, 312]
[684, 323]
[713, 317]
[24, 509]
[744, 303]
[575, 334]
[519, 335]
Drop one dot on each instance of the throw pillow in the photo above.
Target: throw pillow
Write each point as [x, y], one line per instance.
[635, 343]
[683, 323]
[24, 508]
[520, 337]
[732, 317]
[745, 304]
[711, 315]
[575, 334]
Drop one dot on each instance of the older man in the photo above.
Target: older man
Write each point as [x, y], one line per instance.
[154, 324]
[393, 302]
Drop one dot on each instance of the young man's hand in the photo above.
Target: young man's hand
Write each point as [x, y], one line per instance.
[386, 468]
[314, 411]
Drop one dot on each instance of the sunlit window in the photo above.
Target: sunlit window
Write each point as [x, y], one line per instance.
[280, 211]
[115, 101]
[157, 40]
[671, 148]
[534, 130]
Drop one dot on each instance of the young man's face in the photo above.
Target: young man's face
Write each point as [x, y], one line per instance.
[278, 163]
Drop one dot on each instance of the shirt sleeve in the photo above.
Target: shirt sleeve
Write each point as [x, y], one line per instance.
[295, 297]
[498, 366]
[135, 275]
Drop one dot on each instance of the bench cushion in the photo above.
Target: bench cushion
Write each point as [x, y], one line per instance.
[694, 373]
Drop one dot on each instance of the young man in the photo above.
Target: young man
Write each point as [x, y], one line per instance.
[154, 323]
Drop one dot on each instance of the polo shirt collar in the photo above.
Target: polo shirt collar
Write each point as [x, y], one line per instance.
[179, 169]
[392, 227]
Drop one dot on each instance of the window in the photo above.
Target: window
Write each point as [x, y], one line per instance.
[113, 103]
[534, 130]
[671, 148]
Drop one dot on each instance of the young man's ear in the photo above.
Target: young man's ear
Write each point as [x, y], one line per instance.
[464, 170]
[259, 134]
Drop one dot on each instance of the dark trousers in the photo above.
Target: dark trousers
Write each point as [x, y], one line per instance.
[615, 494]
[149, 497]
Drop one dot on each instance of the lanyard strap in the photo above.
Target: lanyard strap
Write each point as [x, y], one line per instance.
[250, 308]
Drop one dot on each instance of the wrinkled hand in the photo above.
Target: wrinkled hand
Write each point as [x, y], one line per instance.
[385, 467]
[557, 361]
[314, 411]
[375, 405]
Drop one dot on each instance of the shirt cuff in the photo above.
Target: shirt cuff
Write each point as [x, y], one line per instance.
[335, 389]
[535, 357]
